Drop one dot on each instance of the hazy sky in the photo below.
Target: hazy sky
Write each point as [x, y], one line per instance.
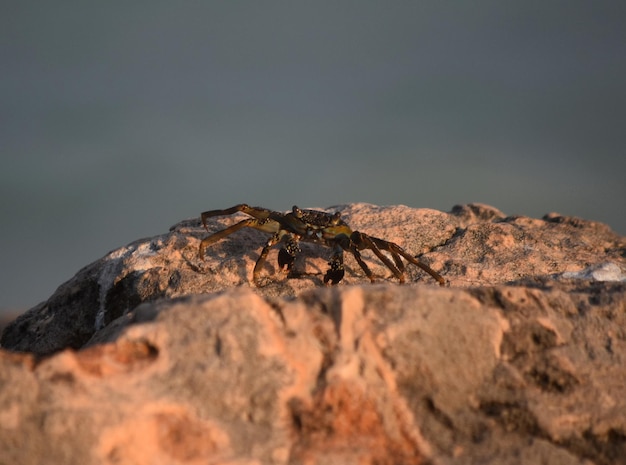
[118, 119]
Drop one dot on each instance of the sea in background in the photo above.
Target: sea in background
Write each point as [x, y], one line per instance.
[119, 119]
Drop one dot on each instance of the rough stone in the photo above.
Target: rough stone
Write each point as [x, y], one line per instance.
[151, 355]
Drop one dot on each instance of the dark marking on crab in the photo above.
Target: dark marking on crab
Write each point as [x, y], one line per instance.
[318, 227]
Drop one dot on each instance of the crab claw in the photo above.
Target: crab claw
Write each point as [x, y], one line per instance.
[285, 260]
[334, 276]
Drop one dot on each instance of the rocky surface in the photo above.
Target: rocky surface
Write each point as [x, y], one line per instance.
[152, 355]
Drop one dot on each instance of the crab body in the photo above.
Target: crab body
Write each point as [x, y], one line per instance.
[313, 226]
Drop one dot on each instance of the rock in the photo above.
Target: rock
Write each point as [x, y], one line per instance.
[473, 245]
[151, 355]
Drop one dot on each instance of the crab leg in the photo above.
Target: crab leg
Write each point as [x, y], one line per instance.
[262, 225]
[387, 247]
[286, 255]
[362, 264]
[372, 243]
[395, 250]
[336, 270]
[207, 241]
[256, 212]
[261, 260]
[416, 262]
[363, 241]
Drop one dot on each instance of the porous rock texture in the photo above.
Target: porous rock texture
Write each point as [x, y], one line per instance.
[152, 355]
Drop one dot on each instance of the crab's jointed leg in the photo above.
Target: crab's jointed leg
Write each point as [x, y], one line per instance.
[397, 249]
[256, 212]
[336, 271]
[363, 241]
[366, 269]
[376, 245]
[260, 221]
[286, 256]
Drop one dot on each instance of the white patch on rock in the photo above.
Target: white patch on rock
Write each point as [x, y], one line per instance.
[132, 258]
[108, 274]
[606, 271]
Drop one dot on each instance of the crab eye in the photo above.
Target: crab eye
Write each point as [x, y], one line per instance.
[335, 218]
[296, 212]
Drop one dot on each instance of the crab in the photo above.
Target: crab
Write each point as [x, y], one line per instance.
[317, 227]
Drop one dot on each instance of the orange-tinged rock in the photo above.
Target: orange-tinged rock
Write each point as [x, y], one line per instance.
[151, 355]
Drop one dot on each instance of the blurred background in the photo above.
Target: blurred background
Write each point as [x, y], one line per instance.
[119, 119]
